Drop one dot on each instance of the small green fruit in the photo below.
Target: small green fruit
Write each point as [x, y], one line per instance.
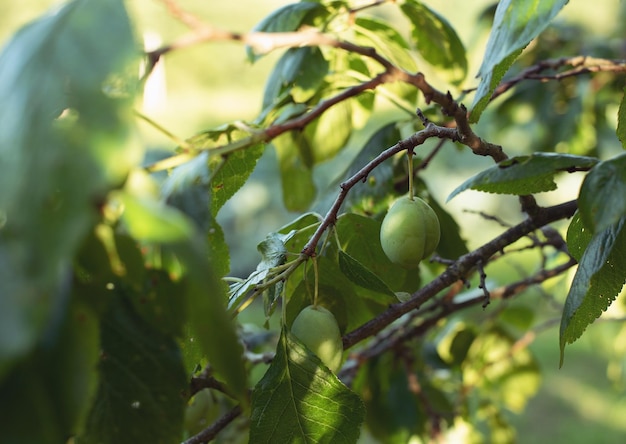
[317, 328]
[409, 232]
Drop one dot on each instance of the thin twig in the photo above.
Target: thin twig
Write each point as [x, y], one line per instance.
[211, 432]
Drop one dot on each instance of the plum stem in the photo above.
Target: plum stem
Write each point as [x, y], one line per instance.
[409, 154]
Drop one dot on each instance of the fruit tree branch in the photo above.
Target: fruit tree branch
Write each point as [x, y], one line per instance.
[459, 269]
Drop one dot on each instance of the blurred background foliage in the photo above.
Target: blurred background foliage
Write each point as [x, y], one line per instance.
[202, 87]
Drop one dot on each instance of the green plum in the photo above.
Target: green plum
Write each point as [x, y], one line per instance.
[410, 232]
[317, 328]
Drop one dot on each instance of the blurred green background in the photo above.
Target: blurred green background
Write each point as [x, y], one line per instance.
[201, 87]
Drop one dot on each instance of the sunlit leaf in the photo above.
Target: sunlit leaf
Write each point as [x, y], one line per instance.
[285, 19]
[300, 400]
[299, 73]
[436, 40]
[525, 174]
[386, 40]
[295, 171]
[152, 221]
[226, 173]
[328, 134]
[516, 23]
[508, 379]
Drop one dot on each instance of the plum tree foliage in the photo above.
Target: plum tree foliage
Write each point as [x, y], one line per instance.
[119, 321]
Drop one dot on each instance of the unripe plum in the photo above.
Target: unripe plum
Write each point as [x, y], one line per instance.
[410, 232]
[317, 328]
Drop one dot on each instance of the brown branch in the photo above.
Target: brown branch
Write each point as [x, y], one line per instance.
[211, 432]
[409, 143]
[458, 271]
[580, 65]
[440, 309]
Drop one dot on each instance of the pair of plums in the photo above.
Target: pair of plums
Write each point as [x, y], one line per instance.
[409, 233]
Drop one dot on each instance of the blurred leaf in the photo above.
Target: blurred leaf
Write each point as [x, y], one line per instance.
[187, 188]
[296, 176]
[602, 200]
[451, 245]
[599, 278]
[152, 221]
[621, 121]
[386, 40]
[55, 386]
[518, 316]
[508, 379]
[524, 174]
[393, 413]
[328, 134]
[56, 168]
[436, 40]
[285, 19]
[210, 324]
[357, 273]
[299, 400]
[161, 302]
[141, 381]
[516, 23]
[300, 72]
[454, 344]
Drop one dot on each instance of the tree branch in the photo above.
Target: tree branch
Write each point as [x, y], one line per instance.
[459, 269]
[409, 143]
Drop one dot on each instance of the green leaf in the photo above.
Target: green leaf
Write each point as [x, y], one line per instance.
[300, 400]
[55, 386]
[394, 413]
[296, 176]
[359, 236]
[228, 172]
[386, 40]
[152, 221]
[141, 380]
[451, 245]
[621, 121]
[598, 280]
[329, 133]
[525, 174]
[300, 73]
[380, 181]
[210, 324]
[436, 40]
[505, 379]
[602, 200]
[578, 237]
[59, 62]
[285, 19]
[357, 273]
[516, 23]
